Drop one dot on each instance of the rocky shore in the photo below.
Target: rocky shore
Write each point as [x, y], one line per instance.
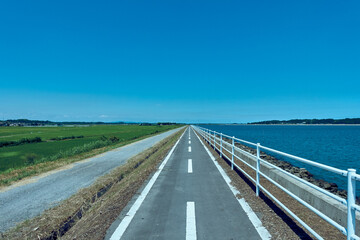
[299, 172]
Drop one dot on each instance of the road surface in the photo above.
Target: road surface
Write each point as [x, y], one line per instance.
[27, 201]
[188, 200]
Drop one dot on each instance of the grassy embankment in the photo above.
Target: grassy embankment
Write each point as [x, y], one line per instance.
[61, 145]
[90, 212]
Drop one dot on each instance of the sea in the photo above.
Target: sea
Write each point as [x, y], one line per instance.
[334, 145]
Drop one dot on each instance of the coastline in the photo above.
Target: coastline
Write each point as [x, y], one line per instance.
[302, 173]
[285, 124]
[324, 124]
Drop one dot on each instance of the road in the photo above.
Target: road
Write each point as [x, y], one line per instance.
[27, 201]
[188, 200]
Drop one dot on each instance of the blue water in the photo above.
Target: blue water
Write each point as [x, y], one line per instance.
[336, 146]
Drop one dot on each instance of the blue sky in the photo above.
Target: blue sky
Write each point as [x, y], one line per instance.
[184, 61]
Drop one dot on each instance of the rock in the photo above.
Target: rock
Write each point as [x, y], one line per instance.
[284, 165]
[287, 165]
[294, 170]
[305, 173]
[342, 193]
[327, 186]
[319, 183]
[334, 187]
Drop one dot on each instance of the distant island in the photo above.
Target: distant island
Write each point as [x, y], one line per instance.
[40, 123]
[312, 121]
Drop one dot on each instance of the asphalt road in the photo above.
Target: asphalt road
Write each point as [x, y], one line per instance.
[189, 200]
[27, 201]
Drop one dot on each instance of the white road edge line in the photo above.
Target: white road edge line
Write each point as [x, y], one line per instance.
[131, 213]
[263, 232]
[190, 221]
[189, 149]
[190, 170]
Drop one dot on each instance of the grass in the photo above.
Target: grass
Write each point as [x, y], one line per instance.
[17, 162]
[15, 156]
[46, 133]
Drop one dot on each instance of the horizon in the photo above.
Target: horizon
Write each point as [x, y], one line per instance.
[206, 123]
[180, 61]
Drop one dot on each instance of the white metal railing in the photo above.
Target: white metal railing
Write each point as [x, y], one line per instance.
[217, 141]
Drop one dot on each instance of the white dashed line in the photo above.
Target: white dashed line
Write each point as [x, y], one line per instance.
[189, 142]
[190, 170]
[189, 149]
[190, 221]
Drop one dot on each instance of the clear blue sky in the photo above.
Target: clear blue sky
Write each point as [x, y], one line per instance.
[184, 61]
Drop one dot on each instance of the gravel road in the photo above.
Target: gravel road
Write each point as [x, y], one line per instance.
[27, 201]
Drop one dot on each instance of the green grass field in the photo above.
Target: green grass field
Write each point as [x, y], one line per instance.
[13, 157]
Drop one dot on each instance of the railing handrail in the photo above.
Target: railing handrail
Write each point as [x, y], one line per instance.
[210, 137]
[315, 164]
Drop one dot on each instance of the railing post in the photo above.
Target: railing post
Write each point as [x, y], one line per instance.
[221, 145]
[350, 202]
[257, 168]
[232, 153]
[214, 140]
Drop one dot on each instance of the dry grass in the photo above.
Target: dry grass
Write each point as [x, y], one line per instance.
[90, 212]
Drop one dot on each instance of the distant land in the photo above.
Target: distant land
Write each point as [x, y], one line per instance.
[34, 123]
[312, 121]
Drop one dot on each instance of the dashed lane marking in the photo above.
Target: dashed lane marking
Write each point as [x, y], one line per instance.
[190, 168]
[190, 221]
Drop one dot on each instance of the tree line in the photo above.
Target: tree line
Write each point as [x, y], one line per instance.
[312, 121]
[27, 122]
